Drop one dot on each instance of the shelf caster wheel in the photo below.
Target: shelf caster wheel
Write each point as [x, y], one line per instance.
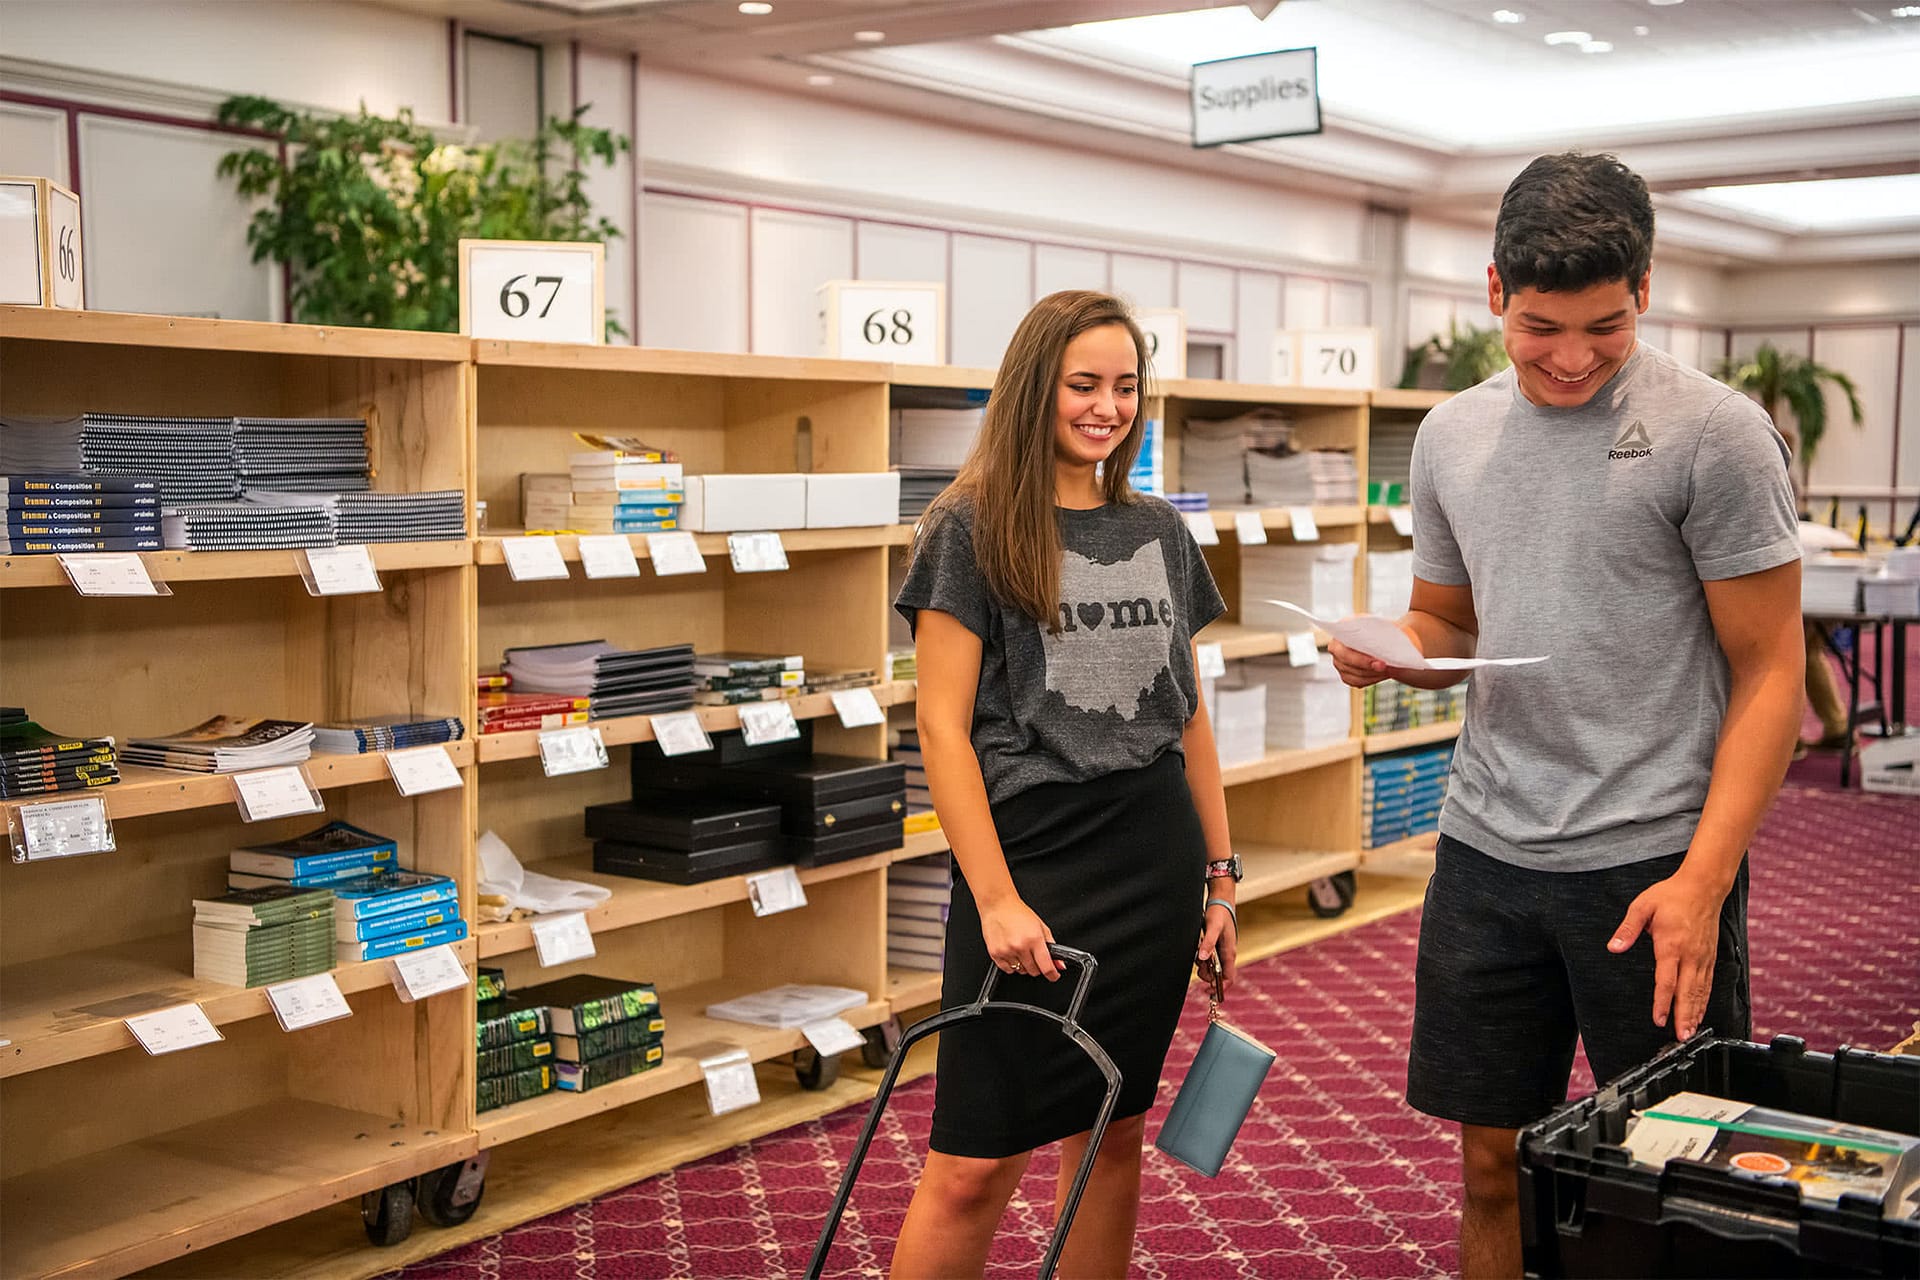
[814, 1071]
[448, 1196]
[876, 1045]
[1330, 896]
[387, 1214]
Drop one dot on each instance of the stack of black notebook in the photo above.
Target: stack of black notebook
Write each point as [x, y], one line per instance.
[62, 513]
[192, 458]
[684, 838]
[301, 455]
[246, 526]
[621, 682]
[34, 762]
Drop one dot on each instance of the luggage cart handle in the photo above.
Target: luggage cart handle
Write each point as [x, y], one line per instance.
[1072, 955]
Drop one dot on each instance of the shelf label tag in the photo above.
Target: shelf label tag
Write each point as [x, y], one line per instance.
[673, 553]
[1301, 650]
[561, 938]
[121, 573]
[275, 793]
[608, 555]
[1250, 527]
[858, 707]
[898, 322]
[772, 892]
[61, 829]
[418, 770]
[1305, 527]
[1205, 532]
[756, 552]
[1212, 662]
[680, 733]
[574, 750]
[534, 559]
[731, 1084]
[1402, 519]
[764, 722]
[171, 1030]
[308, 1002]
[832, 1037]
[340, 571]
[427, 972]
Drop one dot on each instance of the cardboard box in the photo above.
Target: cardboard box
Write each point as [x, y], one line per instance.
[844, 500]
[1891, 765]
[739, 503]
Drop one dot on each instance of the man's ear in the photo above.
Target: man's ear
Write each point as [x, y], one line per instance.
[1643, 292]
[1496, 296]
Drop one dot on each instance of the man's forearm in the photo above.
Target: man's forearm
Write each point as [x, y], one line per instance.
[1436, 638]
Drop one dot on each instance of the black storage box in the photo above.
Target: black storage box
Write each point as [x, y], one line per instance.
[816, 794]
[818, 851]
[1587, 1210]
[683, 820]
[677, 866]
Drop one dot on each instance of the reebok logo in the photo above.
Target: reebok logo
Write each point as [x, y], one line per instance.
[1633, 443]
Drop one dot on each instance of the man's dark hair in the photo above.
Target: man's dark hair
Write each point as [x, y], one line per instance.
[1570, 221]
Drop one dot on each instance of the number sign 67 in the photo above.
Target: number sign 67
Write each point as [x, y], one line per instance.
[533, 291]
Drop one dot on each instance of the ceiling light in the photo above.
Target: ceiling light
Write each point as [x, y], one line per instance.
[1597, 46]
[1508, 16]
[1662, 3]
[756, 10]
[1643, 31]
[1906, 11]
[819, 80]
[869, 37]
[1568, 37]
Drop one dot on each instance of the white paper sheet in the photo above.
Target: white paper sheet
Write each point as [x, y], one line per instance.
[1379, 638]
[501, 873]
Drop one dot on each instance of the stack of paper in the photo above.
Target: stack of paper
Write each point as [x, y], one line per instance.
[788, 1006]
[1306, 706]
[1213, 454]
[224, 744]
[33, 443]
[1830, 584]
[919, 486]
[245, 526]
[1320, 572]
[257, 937]
[311, 455]
[919, 896]
[935, 438]
[192, 458]
[1389, 582]
[620, 682]
[546, 500]
[1316, 478]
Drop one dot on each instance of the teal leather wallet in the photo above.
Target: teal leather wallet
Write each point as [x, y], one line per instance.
[1217, 1094]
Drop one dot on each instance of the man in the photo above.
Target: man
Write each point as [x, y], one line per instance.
[1629, 517]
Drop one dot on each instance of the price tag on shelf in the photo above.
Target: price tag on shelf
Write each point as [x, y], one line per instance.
[756, 552]
[1205, 532]
[427, 972]
[858, 707]
[118, 574]
[1213, 663]
[171, 1030]
[418, 770]
[573, 750]
[308, 1002]
[772, 892]
[1250, 527]
[1301, 650]
[831, 1037]
[60, 829]
[731, 1084]
[1305, 527]
[608, 555]
[561, 938]
[339, 571]
[1402, 520]
[764, 722]
[673, 553]
[534, 559]
[680, 733]
[275, 793]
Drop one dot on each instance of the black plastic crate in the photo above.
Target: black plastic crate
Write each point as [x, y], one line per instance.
[1587, 1210]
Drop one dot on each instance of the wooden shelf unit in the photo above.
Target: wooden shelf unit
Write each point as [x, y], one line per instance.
[1419, 736]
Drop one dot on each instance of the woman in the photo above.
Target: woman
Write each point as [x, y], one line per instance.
[1075, 775]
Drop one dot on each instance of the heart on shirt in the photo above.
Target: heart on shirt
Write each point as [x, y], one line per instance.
[1090, 615]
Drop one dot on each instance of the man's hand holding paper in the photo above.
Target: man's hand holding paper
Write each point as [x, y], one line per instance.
[1373, 637]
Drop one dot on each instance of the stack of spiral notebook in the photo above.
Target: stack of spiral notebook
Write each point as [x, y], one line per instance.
[192, 458]
[301, 455]
[620, 682]
[245, 526]
[380, 517]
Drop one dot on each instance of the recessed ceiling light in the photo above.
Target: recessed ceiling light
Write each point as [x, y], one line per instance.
[1508, 16]
[1568, 37]
[1643, 31]
[1663, 3]
[869, 37]
[753, 10]
[819, 80]
[1597, 46]
[1906, 11]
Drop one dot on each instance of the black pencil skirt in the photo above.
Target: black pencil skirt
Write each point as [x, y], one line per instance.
[1117, 868]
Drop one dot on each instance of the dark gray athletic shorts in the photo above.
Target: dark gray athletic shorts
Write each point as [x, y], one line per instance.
[1514, 965]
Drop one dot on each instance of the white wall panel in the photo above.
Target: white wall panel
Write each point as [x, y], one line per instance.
[1909, 475]
[1429, 315]
[1257, 316]
[1350, 303]
[605, 88]
[1059, 266]
[886, 251]
[1686, 289]
[1655, 333]
[1206, 295]
[1448, 251]
[991, 290]
[1807, 294]
[1850, 455]
[1143, 281]
[33, 142]
[1684, 345]
[1305, 305]
[163, 232]
[694, 262]
[502, 82]
[793, 255]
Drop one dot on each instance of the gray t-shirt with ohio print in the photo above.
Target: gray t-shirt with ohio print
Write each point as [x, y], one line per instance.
[1586, 534]
[1115, 687]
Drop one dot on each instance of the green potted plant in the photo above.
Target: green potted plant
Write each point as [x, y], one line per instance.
[1466, 357]
[367, 213]
[1772, 376]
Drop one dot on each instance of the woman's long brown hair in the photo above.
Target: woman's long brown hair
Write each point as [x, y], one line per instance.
[1008, 478]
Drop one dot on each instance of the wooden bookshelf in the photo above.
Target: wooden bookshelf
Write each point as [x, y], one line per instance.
[1416, 401]
[216, 566]
[1277, 764]
[795, 541]
[1280, 519]
[1419, 736]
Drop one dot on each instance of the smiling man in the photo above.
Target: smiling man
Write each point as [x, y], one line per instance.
[1605, 505]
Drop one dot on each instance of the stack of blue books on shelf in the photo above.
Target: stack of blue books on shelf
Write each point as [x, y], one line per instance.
[1402, 794]
[386, 733]
[392, 912]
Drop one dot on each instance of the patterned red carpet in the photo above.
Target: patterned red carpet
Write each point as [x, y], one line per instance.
[1333, 1175]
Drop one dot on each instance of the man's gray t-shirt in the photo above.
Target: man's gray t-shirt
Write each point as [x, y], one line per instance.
[1115, 687]
[1586, 534]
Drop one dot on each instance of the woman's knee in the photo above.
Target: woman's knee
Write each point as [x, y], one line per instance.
[966, 1184]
